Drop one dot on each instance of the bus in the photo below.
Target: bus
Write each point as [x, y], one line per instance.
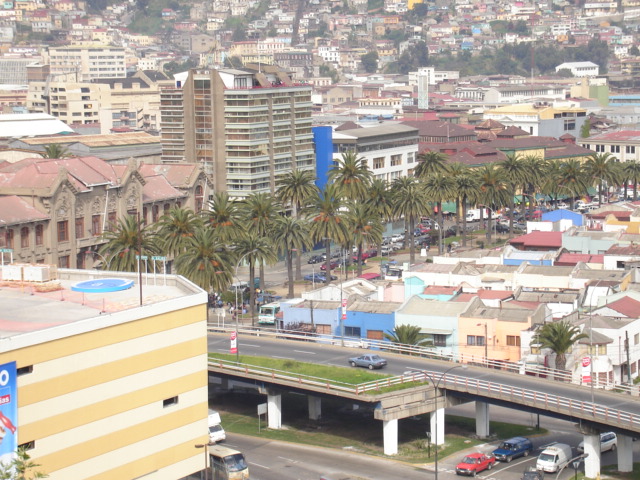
[227, 464]
[268, 312]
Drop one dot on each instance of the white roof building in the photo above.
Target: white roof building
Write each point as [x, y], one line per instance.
[31, 125]
[580, 69]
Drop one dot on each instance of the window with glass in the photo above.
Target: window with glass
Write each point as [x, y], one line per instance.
[39, 234]
[24, 237]
[96, 225]
[80, 227]
[63, 262]
[63, 231]
[352, 331]
[513, 340]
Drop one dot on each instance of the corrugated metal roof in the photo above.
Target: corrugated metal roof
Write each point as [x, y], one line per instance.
[31, 125]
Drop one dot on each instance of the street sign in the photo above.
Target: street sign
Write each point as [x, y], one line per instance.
[156, 258]
[142, 257]
[344, 316]
[6, 250]
[586, 369]
[234, 343]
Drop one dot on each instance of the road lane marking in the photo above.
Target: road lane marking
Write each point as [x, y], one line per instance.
[259, 465]
[284, 358]
[250, 345]
[288, 460]
[304, 351]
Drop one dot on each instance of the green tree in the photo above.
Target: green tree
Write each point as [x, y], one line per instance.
[363, 227]
[585, 130]
[558, 337]
[206, 261]
[573, 177]
[290, 234]
[634, 51]
[429, 163]
[55, 150]
[125, 240]
[380, 199]
[514, 173]
[259, 211]
[351, 176]
[295, 189]
[493, 191]
[440, 188]
[631, 171]
[466, 185]
[406, 335]
[370, 62]
[175, 229]
[256, 250]
[327, 221]
[225, 216]
[21, 467]
[410, 202]
[603, 168]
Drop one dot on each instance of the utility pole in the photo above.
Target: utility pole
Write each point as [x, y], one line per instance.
[626, 347]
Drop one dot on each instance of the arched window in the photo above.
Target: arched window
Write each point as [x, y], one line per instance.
[24, 237]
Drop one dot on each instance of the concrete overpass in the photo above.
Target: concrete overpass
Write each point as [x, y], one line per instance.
[608, 412]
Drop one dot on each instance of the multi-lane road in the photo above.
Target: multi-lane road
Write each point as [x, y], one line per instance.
[270, 460]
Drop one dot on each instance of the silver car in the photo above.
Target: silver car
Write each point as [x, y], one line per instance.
[369, 361]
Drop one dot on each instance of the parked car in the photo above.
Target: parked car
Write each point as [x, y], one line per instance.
[397, 237]
[318, 277]
[369, 361]
[475, 463]
[315, 259]
[386, 250]
[502, 228]
[513, 448]
[332, 265]
[532, 474]
[217, 433]
[608, 441]
[554, 457]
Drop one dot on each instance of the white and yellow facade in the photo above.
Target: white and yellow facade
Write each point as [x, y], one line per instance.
[115, 395]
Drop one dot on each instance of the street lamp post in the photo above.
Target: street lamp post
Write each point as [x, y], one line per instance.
[434, 436]
[91, 252]
[206, 456]
[486, 343]
[236, 306]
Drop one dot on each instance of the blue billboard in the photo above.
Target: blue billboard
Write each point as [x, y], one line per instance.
[8, 412]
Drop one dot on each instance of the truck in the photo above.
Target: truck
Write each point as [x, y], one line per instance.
[474, 214]
[268, 312]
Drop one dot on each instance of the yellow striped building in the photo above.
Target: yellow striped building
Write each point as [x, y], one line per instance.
[108, 389]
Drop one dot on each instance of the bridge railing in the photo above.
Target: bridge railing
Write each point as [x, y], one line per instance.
[578, 408]
[424, 352]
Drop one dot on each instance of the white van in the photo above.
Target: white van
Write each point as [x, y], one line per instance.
[554, 457]
[216, 432]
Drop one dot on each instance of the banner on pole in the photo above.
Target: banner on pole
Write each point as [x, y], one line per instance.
[234, 342]
[586, 370]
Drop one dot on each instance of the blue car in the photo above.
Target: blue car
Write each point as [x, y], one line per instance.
[513, 448]
[318, 277]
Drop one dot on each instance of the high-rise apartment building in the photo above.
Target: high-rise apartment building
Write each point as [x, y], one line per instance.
[247, 127]
[87, 63]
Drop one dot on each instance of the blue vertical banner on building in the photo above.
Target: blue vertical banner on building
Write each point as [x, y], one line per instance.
[8, 411]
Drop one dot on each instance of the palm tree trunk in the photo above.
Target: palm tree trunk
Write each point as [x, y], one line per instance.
[440, 230]
[296, 209]
[290, 273]
[599, 194]
[458, 216]
[635, 191]
[327, 262]
[512, 207]
[412, 246]
[359, 260]
[464, 221]
[489, 225]
[252, 292]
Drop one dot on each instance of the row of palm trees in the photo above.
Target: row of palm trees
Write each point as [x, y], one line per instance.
[351, 210]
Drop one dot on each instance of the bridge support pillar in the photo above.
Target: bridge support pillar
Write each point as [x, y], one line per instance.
[482, 419]
[315, 407]
[625, 453]
[274, 410]
[437, 426]
[592, 462]
[390, 434]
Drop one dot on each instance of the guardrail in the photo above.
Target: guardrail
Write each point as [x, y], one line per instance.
[426, 352]
[533, 398]
[316, 382]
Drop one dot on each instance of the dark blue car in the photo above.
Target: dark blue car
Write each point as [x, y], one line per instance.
[513, 448]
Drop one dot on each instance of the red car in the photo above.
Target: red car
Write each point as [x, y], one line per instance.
[475, 463]
[332, 266]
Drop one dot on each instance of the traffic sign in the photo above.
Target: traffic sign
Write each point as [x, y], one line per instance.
[142, 257]
[156, 258]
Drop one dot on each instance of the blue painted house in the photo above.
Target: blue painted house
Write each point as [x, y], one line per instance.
[563, 214]
[370, 319]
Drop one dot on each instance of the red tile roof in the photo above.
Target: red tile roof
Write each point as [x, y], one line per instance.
[14, 209]
[539, 239]
[438, 290]
[569, 259]
[623, 250]
[626, 306]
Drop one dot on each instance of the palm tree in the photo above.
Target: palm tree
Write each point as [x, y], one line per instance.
[406, 335]
[327, 221]
[296, 188]
[632, 174]
[363, 227]
[514, 174]
[225, 217]
[259, 211]
[55, 150]
[455, 170]
[410, 202]
[352, 176]
[380, 199]
[290, 234]
[535, 170]
[493, 190]
[571, 175]
[124, 242]
[440, 188]
[206, 261]
[430, 163]
[603, 168]
[558, 337]
[466, 185]
[20, 467]
[256, 250]
[175, 229]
